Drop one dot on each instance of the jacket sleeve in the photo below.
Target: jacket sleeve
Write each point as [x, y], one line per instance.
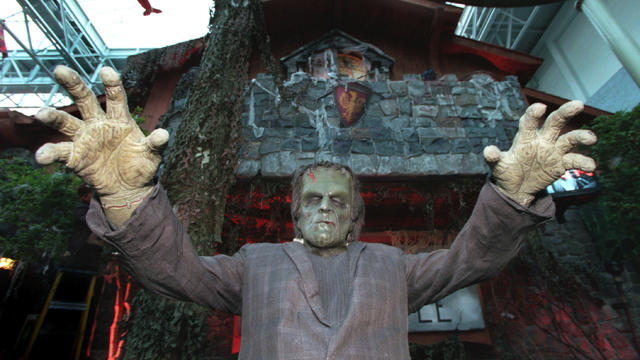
[157, 251]
[491, 237]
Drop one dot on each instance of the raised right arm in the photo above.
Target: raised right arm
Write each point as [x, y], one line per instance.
[109, 152]
[158, 252]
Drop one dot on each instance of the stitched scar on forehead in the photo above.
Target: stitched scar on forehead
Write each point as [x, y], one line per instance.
[313, 178]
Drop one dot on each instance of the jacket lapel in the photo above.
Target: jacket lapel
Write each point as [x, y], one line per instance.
[298, 255]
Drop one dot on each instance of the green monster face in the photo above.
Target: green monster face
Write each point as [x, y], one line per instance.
[325, 211]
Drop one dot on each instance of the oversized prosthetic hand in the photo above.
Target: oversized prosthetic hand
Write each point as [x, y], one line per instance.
[537, 158]
[108, 150]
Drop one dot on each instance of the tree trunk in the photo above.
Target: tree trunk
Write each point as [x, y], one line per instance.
[199, 173]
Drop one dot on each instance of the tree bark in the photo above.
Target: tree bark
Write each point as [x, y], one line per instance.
[200, 171]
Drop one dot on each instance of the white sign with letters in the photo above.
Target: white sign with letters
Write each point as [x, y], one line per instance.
[460, 311]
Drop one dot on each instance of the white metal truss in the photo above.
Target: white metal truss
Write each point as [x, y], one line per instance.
[71, 39]
[506, 27]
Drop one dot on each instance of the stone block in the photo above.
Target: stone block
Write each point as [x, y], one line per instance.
[444, 99]
[250, 150]
[398, 88]
[391, 165]
[404, 105]
[266, 118]
[379, 87]
[305, 158]
[424, 100]
[477, 145]
[288, 163]
[421, 165]
[380, 133]
[400, 122]
[310, 143]
[247, 168]
[436, 146]
[458, 90]
[341, 146]
[361, 133]
[389, 107]
[372, 122]
[466, 99]
[334, 121]
[409, 135]
[364, 164]
[304, 132]
[430, 133]
[389, 148]
[480, 132]
[449, 112]
[448, 122]
[413, 149]
[362, 147]
[416, 89]
[270, 145]
[470, 112]
[460, 146]
[270, 164]
[423, 122]
[425, 111]
[291, 144]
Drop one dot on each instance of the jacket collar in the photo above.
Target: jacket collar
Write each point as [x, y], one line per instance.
[300, 257]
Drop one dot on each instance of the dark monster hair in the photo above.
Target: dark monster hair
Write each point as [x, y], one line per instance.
[357, 205]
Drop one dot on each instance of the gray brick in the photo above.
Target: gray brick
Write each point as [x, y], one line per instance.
[470, 112]
[362, 147]
[460, 146]
[436, 146]
[388, 148]
[341, 146]
[270, 164]
[400, 122]
[398, 88]
[379, 87]
[247, 168]
[391, 165]
[413, 149]
[291, 144]
[425, 111]
[389, 107]
[270, 145]
[444, 99]
[404, 105]
[409, 135]
[423, 122]
[466, 99]
[310, 143]
[430, 133]
[363, 164]
[361, 133]
[251, 150]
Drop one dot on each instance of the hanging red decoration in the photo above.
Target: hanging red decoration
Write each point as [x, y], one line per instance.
[3, 46]
[147, 8]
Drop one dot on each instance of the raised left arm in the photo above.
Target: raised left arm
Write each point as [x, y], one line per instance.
[538, 157]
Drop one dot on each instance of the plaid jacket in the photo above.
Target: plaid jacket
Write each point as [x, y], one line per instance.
[274, 289]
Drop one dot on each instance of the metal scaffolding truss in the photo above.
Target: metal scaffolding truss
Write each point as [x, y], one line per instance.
[70, 39]
[513, 28]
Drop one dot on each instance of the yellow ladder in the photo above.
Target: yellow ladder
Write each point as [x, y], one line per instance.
[62, 303]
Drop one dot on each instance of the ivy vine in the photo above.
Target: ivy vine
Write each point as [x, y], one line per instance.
[613, 218]
[36, 209]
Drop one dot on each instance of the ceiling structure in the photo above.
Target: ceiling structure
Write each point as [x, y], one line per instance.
[72, 39]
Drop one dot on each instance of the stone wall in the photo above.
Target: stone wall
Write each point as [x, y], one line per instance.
[409, 128]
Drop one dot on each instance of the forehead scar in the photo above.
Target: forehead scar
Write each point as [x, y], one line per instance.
[313, 178]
